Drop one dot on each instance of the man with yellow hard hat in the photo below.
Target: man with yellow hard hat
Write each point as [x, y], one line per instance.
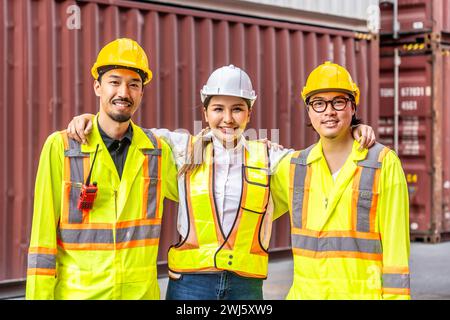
[98, 206]
[348, 207]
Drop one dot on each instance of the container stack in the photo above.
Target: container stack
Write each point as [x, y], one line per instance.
[415, 107]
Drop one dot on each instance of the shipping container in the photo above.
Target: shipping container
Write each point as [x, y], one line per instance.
[355, 15]
[423, 131]
[47, 50]
[415, 17]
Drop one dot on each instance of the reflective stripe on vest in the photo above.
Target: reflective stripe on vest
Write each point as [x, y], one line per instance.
[397, 281]
[360, 241]
[41, 261]
[365, 197]
[143, 232]
[299, 186]
[205, 247]
[77, 234]
[154, 164]
[77, 159]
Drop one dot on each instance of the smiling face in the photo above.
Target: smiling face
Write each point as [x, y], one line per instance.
[227, 117]
[331, 124]
[120, 92]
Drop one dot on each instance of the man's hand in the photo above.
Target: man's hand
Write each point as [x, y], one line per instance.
[364, 135]
[272, 145]
[80, 127]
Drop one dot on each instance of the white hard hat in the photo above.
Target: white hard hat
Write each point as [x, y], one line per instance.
[229, 81]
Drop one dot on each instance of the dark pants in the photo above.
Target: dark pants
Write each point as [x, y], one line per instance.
[214, 286]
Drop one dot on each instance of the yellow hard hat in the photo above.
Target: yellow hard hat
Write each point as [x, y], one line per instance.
[126, 53]
[330, 77]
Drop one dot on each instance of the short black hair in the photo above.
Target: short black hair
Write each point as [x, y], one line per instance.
[102, 70]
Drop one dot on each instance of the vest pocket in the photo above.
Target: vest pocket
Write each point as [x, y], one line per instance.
[256, 176]
[256, 188]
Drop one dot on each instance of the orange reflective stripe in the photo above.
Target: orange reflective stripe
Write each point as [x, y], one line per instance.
[101, 236]
[199, 269]
[41, 272]
[383, 153]
[398, 291]
[337, 254]
[396, 270]
[86, 246]
[346, 233]
[66, 199]
[135, 223]
[119, 224]
[42, 250]
[65, 139]
[82, 226]
[373, 208]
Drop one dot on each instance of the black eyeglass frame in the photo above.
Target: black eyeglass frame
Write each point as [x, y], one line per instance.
[310, 103]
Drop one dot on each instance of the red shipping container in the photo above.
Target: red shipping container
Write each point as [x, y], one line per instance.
[416, 16]
[423, 134]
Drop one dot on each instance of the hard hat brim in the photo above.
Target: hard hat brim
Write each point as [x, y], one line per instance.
[310, 94]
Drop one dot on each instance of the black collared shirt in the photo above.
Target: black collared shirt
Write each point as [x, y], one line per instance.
[118, 148]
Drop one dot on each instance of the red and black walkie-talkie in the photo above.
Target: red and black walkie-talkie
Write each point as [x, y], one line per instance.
[88, 191]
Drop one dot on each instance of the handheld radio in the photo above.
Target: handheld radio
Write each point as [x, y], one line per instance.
[88, 191]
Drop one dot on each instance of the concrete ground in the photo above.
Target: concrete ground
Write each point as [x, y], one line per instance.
[429, 266]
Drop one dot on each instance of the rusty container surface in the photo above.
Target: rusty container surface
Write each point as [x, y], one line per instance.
[423, 133]
[48, 48]
[416, 16]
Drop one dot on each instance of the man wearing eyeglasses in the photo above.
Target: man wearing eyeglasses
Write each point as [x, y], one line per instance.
[348, 206]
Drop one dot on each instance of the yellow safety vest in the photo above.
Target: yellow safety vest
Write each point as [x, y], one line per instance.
[205, 247]
[336, 241]
[110, 251]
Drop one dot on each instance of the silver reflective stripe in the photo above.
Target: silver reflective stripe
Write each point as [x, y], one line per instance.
[75, 215]
[391, 280]
[153, 155]
[41, 260]
[76, 177]
[152, 137]
[76, 161]
[86, 235]
[299, 186]
[336, 244]
[365, 195]
[138, 233]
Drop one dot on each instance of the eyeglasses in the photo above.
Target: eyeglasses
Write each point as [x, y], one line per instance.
[338, 104]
